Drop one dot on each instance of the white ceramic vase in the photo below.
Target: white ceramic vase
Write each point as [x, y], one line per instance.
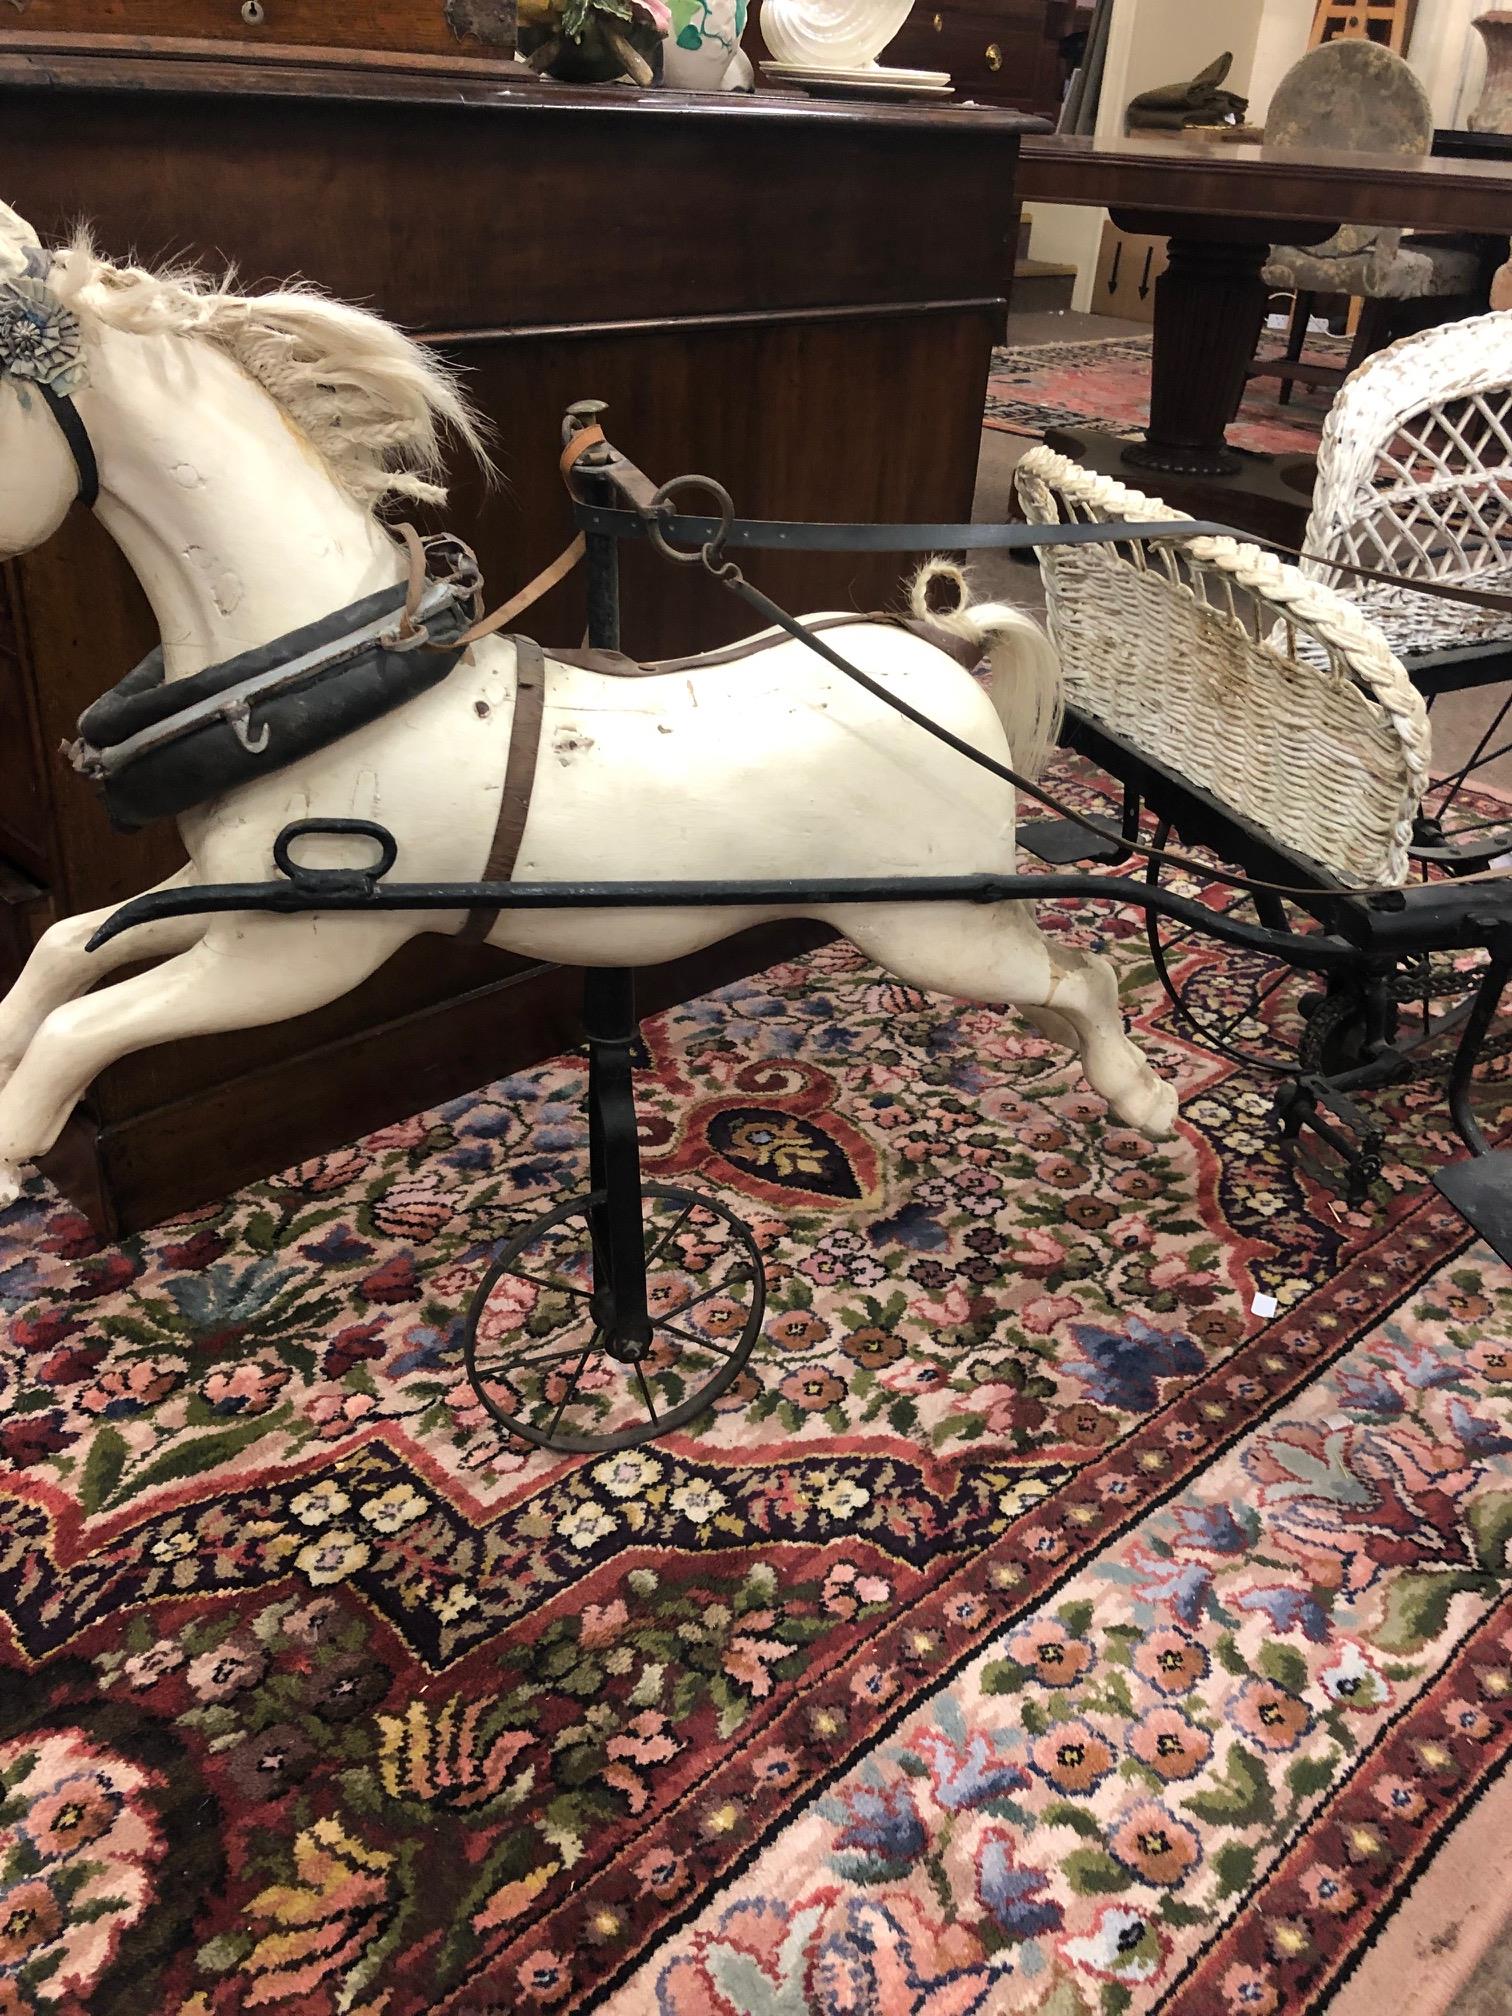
[823, 34]
[702, 49]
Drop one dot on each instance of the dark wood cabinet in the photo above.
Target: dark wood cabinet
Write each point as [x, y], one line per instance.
[998, 52]
[482, 28]
[726, 272]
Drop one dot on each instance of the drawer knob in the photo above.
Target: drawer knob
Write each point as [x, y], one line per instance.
[937, 22]
[254, 13]
[994, 56]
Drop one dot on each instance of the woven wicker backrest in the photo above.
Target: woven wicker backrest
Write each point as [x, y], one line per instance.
[1415, 469]
[1220, 662]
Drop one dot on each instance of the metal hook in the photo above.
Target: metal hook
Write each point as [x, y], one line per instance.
[238, 717]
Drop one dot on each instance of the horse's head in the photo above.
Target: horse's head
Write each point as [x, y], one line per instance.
[140, 352]
[42, 362]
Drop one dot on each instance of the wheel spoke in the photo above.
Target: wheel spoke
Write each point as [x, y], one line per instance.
[645, 1391]
[682, 1308]
[556, 1287]
[1256, 1002]
[669, 1235]
[594, 1343]
[692, 1336]
[527, 1363]
[1179, 933]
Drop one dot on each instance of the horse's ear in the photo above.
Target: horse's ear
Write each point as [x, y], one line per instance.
[17, 238]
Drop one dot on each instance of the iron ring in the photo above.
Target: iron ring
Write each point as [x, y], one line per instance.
[365, 829]
[656, 509]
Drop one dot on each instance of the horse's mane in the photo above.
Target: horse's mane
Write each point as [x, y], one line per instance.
[374, 404]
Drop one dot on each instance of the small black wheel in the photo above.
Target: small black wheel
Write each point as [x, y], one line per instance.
[1247, 1006]
[540, 1341]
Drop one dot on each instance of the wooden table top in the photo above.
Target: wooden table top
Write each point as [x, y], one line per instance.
[1217, 179]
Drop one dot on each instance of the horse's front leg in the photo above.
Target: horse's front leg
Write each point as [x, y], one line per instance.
[243, 973]
[59, 967]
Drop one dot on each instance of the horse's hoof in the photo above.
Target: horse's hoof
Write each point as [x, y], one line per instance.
[1152, 1109]
[10, 1185]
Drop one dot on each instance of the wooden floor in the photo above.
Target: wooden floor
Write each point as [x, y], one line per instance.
[1458, 718]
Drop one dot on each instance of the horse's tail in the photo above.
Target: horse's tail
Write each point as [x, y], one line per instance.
[1025, 667]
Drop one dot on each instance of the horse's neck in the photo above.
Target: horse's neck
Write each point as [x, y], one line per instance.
[228, 518]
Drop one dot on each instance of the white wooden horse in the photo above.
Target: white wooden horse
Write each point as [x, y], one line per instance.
[243, 445]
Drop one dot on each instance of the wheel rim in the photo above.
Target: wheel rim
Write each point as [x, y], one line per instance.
[540, 1347]
[1251, 1009]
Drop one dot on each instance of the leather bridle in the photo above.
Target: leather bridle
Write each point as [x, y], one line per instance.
[76, 434]
[60, 404]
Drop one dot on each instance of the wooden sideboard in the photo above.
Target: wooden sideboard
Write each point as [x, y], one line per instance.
[725, 272]
[481, 28]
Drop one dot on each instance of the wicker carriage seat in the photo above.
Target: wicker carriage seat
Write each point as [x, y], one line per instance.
[1415, 478]
[1415, 624]
[1266, 689]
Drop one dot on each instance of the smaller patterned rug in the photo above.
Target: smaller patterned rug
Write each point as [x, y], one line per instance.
[1036, 386]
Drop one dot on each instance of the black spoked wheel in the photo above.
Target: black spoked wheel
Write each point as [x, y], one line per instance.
[542, 1346]
[1252, 1007]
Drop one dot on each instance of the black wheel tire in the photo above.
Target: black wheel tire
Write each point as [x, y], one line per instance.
[514, 1380]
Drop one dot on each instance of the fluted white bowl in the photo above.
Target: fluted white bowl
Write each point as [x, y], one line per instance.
[815, 34]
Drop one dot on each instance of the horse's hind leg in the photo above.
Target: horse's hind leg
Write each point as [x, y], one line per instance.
[243, 973]
[59, 967]
[1001, 955]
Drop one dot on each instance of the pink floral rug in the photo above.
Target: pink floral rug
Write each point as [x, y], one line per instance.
[1033, 387]
[1036, 1626]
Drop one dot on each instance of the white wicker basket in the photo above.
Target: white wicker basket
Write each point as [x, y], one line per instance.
[1238, 672]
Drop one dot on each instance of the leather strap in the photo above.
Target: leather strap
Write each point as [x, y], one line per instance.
[965, 653]
[532, 592]
[795, 535]
[577, 448]
[519, 780]
[1443, 591]
[804, 536]
[76, 434]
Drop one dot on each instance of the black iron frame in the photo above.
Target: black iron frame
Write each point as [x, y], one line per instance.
[1359, 935]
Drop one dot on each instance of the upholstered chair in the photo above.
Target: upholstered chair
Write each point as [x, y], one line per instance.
[1355, 97]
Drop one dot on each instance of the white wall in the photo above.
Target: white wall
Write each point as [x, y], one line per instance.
[1166, 41]
[1283, 34]
[1163, 41]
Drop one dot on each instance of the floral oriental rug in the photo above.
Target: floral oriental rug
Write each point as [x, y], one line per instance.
[1035, 386]
[1036, 1627]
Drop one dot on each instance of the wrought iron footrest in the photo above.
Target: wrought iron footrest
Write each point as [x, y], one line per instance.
[1351, 1134]
[1480, 1189]
[1060, 842]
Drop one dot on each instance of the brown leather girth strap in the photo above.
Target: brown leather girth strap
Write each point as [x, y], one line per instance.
[519, 780]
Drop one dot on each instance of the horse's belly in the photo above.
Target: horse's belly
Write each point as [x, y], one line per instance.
[722, 777]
